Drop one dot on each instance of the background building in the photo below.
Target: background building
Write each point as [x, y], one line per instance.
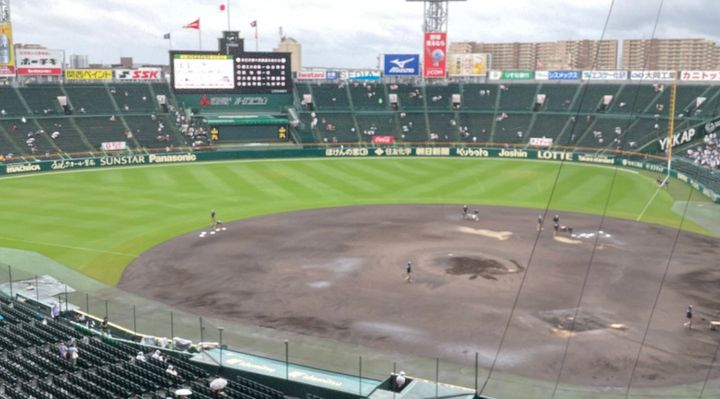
[292, 46]
[670, 54]
[564, 54]
[78, 61]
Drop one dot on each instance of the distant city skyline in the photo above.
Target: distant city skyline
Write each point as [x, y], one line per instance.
[335, 35]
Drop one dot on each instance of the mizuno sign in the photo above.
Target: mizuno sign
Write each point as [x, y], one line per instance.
[401, 64]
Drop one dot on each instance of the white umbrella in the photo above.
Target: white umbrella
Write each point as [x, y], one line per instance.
[183, 392]
[218, 383]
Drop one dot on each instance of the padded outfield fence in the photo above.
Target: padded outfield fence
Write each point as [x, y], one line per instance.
[704, 180]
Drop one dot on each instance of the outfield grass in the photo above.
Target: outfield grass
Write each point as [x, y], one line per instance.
[98, 221]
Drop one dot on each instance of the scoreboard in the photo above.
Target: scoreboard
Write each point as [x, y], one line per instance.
[243, 73]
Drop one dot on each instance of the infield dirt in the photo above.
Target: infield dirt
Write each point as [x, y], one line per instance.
[339, 274]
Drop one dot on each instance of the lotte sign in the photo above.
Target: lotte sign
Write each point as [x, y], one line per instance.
[434, 54]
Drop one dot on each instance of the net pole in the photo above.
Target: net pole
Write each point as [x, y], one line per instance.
[671, 128]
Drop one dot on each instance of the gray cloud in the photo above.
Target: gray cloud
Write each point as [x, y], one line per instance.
[339, 33]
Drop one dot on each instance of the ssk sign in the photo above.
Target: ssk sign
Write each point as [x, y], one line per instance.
[138, 74]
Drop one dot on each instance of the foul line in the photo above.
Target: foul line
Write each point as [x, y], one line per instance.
[647, 205]
[68, 247]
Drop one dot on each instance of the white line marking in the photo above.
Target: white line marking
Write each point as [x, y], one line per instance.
[647, 205]
[68, 247]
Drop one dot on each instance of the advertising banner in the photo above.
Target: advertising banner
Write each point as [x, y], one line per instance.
[31, 62]
[401, 64]
[434, 54]
[510, 75]
[604, 75]
[146, 73]
[541, 141]
[697, 76]
[383, 140]
[653, 75]
[7, 56]
[310, 75]
[89, 74]
[475, 64]
[557, 75]
[360, 74]
[114, 145]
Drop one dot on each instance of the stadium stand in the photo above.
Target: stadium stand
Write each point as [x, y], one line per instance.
[90, 99]
[36, 349]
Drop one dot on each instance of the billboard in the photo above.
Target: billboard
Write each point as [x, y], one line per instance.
[557, 75]
[360, 74]
[698, 76]
[510, 75]
[474, 64]
[38, 62]
[88, 74]
[145, 73]
[653, 75]
[7, 56]
[202, 71]
[434, 54]
[401, 64]
[310, 75]
[604, 75]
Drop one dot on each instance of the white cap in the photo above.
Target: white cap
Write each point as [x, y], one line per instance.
[402, 373]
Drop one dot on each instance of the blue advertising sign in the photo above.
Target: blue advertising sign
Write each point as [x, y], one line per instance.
[401, 64]
[564, 75]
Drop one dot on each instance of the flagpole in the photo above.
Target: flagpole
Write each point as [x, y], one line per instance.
[256, 37]
[227, 8]
[200, 38]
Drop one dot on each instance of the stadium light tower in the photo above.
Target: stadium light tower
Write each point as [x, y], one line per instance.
[435, 14]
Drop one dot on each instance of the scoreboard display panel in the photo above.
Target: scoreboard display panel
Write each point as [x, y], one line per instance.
[203, 71]
[263, 73]
[242, 73]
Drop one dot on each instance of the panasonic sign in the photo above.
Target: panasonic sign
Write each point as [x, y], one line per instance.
[401, 64]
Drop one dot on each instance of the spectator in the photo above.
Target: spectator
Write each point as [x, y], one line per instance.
[63, 350]
[400, 381]
[140, 357]
[105, 326]
[72, 354]
[55, 310]
[157, 356]
[171, 370]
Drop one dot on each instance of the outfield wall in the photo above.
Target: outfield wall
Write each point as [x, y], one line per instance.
[638, 162]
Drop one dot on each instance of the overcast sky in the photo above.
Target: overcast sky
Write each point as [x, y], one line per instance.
[339, 33]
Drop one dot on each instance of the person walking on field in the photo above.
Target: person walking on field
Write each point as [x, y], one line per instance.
[408, 272]
[689, 316]
[212, 217]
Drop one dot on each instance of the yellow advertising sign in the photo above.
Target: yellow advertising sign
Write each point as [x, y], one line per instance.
[7, 55]
[88, 74]
[475, 64]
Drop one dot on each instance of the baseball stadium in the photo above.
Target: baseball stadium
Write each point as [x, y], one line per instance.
[224, 225]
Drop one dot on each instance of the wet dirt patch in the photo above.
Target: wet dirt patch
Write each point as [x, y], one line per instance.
[474, 267]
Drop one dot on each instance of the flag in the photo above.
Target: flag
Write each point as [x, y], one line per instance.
[166, 36]
[253, 24]
[222, 7]
[193, 25]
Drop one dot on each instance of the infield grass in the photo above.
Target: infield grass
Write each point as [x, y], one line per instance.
[98, 221]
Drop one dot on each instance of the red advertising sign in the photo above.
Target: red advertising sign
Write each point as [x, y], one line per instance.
[434, 54]
[383, 139]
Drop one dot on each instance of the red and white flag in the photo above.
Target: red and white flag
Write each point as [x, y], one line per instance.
[253, 24]
[193, 25]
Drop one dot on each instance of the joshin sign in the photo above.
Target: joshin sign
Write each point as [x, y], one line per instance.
[435, 55]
